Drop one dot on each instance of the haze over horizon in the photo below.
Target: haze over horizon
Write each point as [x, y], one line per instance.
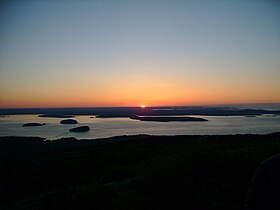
[130, 53]
[264, 106]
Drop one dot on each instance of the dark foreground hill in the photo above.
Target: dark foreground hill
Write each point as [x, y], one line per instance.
[131, 172]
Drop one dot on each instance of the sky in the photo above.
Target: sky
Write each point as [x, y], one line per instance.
[128, 53]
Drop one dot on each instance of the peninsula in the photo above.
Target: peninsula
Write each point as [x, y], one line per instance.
[168, 119]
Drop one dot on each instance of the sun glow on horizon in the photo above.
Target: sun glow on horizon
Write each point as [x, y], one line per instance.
[143, 106]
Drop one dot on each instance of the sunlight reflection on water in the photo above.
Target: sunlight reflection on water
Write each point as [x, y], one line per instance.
[107, 127]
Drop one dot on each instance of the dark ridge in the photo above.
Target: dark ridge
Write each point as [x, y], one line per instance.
[132, 172]
[56, 116]
[132, 111]
[114, 115]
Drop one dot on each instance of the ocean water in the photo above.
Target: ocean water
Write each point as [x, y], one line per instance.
[101, 128]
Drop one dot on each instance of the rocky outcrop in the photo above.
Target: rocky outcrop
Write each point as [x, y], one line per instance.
[69, 121]
[80, 129]
[264, 190]
[33, 124]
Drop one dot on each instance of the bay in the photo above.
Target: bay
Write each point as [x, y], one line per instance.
[107, 127]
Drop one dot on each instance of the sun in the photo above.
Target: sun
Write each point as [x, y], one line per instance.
[143, 106]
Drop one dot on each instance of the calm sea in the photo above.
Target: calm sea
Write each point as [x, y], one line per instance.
[100, 128]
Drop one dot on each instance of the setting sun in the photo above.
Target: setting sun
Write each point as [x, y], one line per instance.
[143, 106]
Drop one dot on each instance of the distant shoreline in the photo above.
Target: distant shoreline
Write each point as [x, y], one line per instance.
[137, 136]
[137, 111]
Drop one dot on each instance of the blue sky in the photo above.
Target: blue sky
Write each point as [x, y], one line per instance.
[152, 52]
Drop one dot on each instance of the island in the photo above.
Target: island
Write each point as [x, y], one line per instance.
[33, 124]
[69, 121]
[168, 119]
[80, 129]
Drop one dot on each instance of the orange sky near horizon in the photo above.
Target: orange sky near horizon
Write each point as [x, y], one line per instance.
[152, 85]
[135, 94]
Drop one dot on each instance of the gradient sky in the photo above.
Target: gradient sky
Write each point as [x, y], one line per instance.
[127, 53]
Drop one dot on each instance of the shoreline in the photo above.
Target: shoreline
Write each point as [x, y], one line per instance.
[116, 137]
[136, 111]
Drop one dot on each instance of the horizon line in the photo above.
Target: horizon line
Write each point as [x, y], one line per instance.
[147, 106]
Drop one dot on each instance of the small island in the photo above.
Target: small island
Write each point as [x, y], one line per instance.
[69, 121]
[80, 129]
[33, 124]
[168, 119]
